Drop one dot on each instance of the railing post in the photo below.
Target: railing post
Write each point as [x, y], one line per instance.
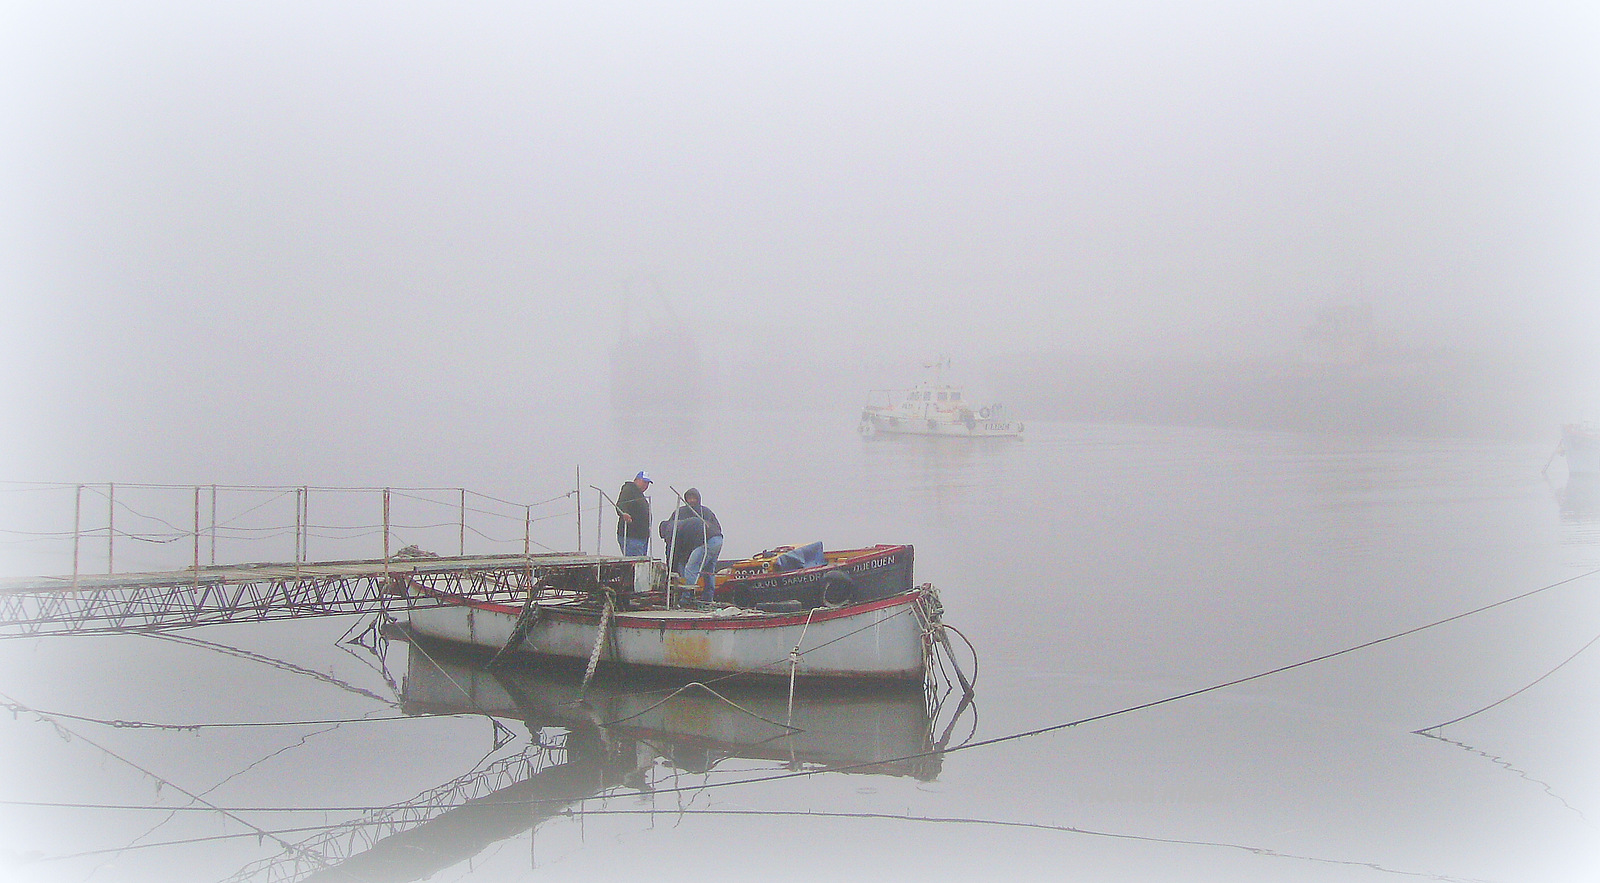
[197, 533]
[299, 531]
[599, 519]
[213, 525]
[77, 521]
[386, 532]
[527, 531]
[577, 504]
[305, 523]
[111, 527]
[463, 546]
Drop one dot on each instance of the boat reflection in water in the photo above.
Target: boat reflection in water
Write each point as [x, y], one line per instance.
[853, 730]
[612, 740]
[1580, 499]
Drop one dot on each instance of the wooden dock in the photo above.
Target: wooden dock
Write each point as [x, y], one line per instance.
[199, 596]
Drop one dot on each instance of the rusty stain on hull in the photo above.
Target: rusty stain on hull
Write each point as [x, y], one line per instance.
[688, 650]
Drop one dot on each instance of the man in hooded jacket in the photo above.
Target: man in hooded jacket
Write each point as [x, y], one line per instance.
[703, 541]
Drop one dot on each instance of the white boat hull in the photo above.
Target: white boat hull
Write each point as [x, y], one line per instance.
[880, 639]
[890, 424]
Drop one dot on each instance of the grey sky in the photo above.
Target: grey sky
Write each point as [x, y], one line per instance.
[329, 206]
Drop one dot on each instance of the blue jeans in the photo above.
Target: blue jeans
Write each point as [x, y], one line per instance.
[703, 560]
[634, 547]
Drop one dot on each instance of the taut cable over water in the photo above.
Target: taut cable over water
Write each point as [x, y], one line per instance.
[1432, 731]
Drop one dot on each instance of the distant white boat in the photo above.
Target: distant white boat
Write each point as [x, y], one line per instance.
[934, 408]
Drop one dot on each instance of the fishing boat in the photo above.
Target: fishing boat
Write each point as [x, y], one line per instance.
[873, 625]
[933, 407]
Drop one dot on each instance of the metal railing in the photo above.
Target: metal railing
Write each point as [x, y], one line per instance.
[120, 527]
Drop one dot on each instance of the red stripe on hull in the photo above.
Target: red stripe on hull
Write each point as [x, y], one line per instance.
[624, 620]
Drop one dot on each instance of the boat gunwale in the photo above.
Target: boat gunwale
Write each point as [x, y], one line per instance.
[645, 619]
[872, 552]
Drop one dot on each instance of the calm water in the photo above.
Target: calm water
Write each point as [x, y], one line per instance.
[1095, 568]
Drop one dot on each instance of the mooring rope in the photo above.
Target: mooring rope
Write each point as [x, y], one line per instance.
[502, 734]
[526, 617]
[116, 723]
[601, 633]
[930, 613]
[1427, 731]
[1508, 767]
[973, 681]
[280, 664]
[1280, 669]
[669, 697]
[794, 661]
[196, 798]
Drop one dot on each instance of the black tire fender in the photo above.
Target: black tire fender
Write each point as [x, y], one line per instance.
[838, 587]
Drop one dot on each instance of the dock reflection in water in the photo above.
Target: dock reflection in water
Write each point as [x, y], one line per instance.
[621, 736]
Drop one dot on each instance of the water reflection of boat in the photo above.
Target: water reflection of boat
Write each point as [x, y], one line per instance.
[882, 730]
[609, 742]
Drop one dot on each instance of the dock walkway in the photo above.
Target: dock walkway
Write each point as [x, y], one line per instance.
[191, 597]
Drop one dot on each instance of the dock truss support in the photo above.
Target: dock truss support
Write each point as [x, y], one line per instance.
[259, 593]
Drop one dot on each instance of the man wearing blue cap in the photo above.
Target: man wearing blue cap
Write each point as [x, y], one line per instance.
[633, 517]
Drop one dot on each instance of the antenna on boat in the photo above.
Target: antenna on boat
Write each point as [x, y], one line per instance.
[600, 518]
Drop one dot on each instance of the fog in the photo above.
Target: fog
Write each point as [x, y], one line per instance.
[238, 237]
[1293, 298]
